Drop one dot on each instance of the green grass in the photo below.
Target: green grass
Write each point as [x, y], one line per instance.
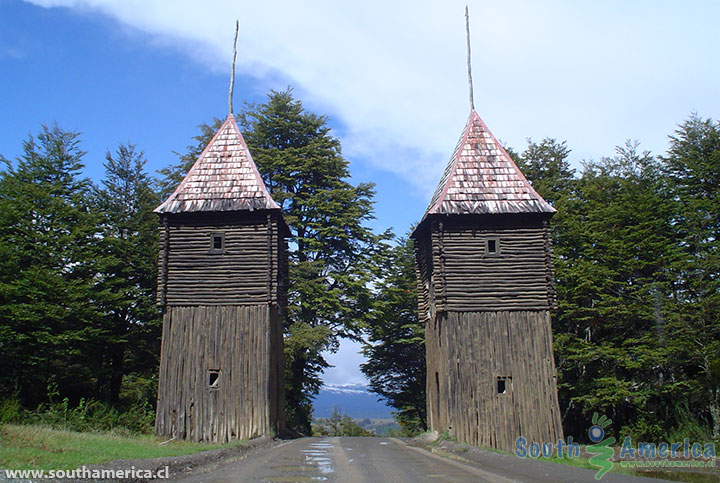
[41, 447]
[446, 436]
[580, 462]
[686, 476]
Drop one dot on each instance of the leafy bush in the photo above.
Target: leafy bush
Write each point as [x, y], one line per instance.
[338, 425]
[10, 411]
[689, 427]
[94, 415]
[134, 413]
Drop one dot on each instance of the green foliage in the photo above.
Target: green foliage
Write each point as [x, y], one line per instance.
[446, 436]
[383, 427]
[50, 329]
[395, 349]
[11, 411]
[612, 271]
[134, 413]
[338, 424]
[546, 164]
[126, 269]
[636, 331]
[692, 169]
[77, 275]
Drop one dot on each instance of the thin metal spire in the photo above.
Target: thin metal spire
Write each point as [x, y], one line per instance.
[232, 72]
[467, 31]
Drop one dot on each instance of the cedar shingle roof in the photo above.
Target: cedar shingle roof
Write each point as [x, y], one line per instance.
[481, 178]
[224, 178]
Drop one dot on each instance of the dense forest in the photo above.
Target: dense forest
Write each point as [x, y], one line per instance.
[637, 258]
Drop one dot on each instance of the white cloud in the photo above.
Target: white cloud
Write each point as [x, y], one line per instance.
[393, 73]
[346, 365]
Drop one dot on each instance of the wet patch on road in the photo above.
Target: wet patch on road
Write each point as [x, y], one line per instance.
[315, 463]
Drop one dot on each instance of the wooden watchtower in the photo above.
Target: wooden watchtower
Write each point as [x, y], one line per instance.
[485, 279]
[223, 288]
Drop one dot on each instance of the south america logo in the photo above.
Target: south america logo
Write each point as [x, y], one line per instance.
[601, 449]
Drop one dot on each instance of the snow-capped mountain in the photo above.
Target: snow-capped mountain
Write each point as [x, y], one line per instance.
[352, 399]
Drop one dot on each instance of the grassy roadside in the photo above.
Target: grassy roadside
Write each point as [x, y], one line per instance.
[450, 447]
[41, 447]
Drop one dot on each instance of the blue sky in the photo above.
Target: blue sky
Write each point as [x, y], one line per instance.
[390, 76]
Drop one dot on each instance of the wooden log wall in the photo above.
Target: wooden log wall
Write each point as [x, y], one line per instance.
[514, 279]
[163, 261]
[197, 276]
[470, 353]
[284, 277]
[549, 264]
[438, 289]
[435, 387]
[277, 370]
[243, 343]
[252, 269]
[422, 249]
[423, 271]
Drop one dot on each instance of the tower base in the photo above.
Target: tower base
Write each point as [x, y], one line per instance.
[491, 377]
[221, 373]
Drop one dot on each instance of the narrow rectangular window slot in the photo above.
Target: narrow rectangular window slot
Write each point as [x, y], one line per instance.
[213, 378]
[217, 243]
[492, 246]
[503, 384]
[439, 326]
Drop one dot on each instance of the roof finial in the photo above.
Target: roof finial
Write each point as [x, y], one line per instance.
[232, 72]
[467, 31]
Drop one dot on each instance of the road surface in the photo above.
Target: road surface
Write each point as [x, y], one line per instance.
[385, 460]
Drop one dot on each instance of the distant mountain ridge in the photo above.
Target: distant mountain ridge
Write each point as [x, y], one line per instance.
[352, 399]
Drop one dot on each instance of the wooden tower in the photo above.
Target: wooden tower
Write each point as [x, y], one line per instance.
[223, 288]
[485, 279]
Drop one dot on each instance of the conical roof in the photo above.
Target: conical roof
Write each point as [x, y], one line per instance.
[224, 178]
[481, 178]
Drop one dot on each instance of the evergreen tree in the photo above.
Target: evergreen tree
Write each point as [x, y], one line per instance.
[339, 424]
[50, 325]
[692, 168]
[396, 341]
[618, 346]
[350, 427]
[127, 269]
[546, 165]
[611, 263]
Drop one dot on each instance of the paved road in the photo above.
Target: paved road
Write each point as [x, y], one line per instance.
[384, 460]
[344, 460]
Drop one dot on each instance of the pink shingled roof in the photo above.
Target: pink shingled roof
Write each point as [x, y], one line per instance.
[224, 178]
[481, 178]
